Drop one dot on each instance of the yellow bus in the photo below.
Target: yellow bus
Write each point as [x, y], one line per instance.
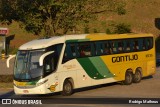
[65, 63]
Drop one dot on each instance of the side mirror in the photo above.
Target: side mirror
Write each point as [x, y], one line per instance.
[43, 56]
[12, 56]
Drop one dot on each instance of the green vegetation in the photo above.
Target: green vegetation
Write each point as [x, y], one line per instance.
[102, 15]
[95, 30]
[49, 17]
[108, 31]
[86, 30]
[122, 28]
[2, 52]
[120, 9]
[12, 50]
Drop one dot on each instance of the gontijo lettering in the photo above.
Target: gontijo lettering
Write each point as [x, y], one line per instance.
[125, 58]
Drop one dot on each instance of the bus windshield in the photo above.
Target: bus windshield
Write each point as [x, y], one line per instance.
[27, 65]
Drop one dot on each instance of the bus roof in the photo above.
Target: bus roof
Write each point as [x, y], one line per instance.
[46, 42]
[93, 37]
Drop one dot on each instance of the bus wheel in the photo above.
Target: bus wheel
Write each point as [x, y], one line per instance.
[128, 78]
[137, 76]
[67, 88]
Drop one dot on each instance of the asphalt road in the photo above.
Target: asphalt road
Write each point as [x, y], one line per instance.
[147, 88]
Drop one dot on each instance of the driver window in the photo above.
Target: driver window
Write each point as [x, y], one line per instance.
[47, 68]
[49, 65]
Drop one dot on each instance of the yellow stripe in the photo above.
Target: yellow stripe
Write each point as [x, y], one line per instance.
[103, 36]
[20, 83]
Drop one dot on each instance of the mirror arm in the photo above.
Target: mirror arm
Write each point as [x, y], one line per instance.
[43, 56]
[9, 60]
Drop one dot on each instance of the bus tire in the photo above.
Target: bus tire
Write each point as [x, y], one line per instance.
[137, 76]
[128, 78]
[67, 88]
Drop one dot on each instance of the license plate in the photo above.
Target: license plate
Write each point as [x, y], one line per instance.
[25, 91]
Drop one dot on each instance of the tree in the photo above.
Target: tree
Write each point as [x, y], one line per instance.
[52, 16]
[122, 28]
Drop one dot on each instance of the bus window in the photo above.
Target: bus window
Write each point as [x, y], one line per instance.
[51, 61]
[114, 46]
[111, 46]
[131, 42]
[99, 48]
[128, 49]
[144, 44]
[70, 51]
[49, 64]
[85, 49]
[120, 46]
[149, 43]
[93, 49]
[73, 51]
[126, 45]
[107, 48]
[135, 45]
[140, 44]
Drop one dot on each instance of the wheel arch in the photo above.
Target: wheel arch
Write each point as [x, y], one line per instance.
[69, 79]
[129, 70]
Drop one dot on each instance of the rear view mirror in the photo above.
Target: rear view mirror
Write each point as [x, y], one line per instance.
[43, 56]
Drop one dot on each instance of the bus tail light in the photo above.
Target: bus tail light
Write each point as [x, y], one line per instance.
[153, 67]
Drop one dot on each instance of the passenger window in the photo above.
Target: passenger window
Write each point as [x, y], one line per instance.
[114, 47]
[144, 44]
[73, 52]
[140, 44]
[70, 51]
[131, 42]
[120, 46]
[85, 49]
[126, 45]
[99, 48]
[149, 43]
[107, 48]
[135, 45]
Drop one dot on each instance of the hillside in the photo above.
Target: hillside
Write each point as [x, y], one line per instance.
[140, 15]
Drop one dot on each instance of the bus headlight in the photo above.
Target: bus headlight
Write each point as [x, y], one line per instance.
[41, 82]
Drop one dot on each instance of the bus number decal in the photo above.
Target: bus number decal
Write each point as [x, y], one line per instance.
[149, 55]
[124, 58]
